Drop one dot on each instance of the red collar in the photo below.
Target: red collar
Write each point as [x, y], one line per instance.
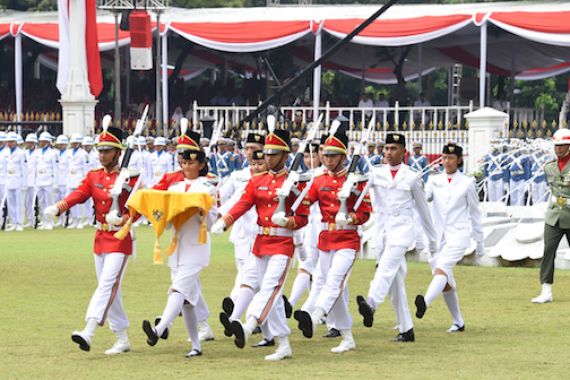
[563, 161]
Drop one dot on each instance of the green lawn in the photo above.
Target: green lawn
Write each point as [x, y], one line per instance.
[47, 278]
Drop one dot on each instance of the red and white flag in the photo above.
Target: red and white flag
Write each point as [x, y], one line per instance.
[94, 73]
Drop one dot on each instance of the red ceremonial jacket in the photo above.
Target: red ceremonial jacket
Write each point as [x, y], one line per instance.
[325, 189]
[260, 192]
[97, 184]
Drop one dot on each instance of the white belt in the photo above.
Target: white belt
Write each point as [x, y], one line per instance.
[106, 227]
[274, 231]
[560, 201]
[336, 227]
[397, 211]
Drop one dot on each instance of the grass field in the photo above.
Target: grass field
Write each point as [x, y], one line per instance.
[47, 278]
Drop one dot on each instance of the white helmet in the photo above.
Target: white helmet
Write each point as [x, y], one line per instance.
[3, 136]
[12, 136]
[20, 140]
[45, 136]
[62, 139]
[88, 140]
[562, 137]
[141, 141]
[31, 137]
[76, 138]
[160, 141]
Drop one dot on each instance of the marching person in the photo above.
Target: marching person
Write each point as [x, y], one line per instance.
[45, 180]
[338, 244]
[396, 190]
[557, 217]
[418, 162]
[31, 154]
[15, 177]
[539, 185]
[77, 166]
[189, 256]
[111, 254]
[273, 247]
[244, 231]
[309, 237]
[455, 203]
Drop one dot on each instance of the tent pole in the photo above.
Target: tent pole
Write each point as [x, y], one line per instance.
[483, 64]
[158, 105]
[164, 72]
[117, 74]
[317, 76]
[18, 82]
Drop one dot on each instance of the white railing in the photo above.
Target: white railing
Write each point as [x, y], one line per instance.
[394, 118]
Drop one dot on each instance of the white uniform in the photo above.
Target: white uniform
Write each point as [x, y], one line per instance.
[186, 263]
[455, 208]
[245, 228]
[161, 163]
[30, 182]
[61, 177]
[3, 158]
[77, 169]
[456, 217]
[15, 180]
[46, 170]
[396, 198]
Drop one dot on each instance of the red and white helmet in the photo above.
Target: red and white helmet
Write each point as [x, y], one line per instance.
[562, 137]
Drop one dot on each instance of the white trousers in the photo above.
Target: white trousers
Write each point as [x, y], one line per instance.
[29, 203]
[45, 198]
[335, 267]
[241, 261]
[267, 304]
[538, 191]
[390, 278]
[310, 262]
[186, 281]
[495, 190]
[107, 301]
[15, 206]
[59, 195]
[518, 188]
[317, 284]
[446, 259]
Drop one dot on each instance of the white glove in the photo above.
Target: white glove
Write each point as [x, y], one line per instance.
[113, 218]
[280, 219]
[219, 227]
[480, 249]
[342, 220]
[51, 211]
[301, 252]
[432, 247]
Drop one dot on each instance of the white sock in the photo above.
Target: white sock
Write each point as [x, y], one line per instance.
[171, 311]
[242, 301]
[191, 321]
[452, 302]
[435, 288]
[300, 285]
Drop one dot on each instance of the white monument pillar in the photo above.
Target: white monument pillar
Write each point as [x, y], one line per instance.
[485, 124]
[78, 104]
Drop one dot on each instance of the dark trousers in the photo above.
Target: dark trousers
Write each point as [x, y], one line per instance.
[552, 237]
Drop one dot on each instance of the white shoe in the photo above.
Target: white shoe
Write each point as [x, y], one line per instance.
[205, 332]
[84, 337]
[283, 351]
[10, 228]
[121, 345]
[545, 296]
[19, 228]
[48, 227]
[79, 226]
[347, 343]
[27, 225]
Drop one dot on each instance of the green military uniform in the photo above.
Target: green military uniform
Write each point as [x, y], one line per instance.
[557, 217]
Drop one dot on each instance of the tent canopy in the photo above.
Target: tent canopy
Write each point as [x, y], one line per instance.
[527, 39]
